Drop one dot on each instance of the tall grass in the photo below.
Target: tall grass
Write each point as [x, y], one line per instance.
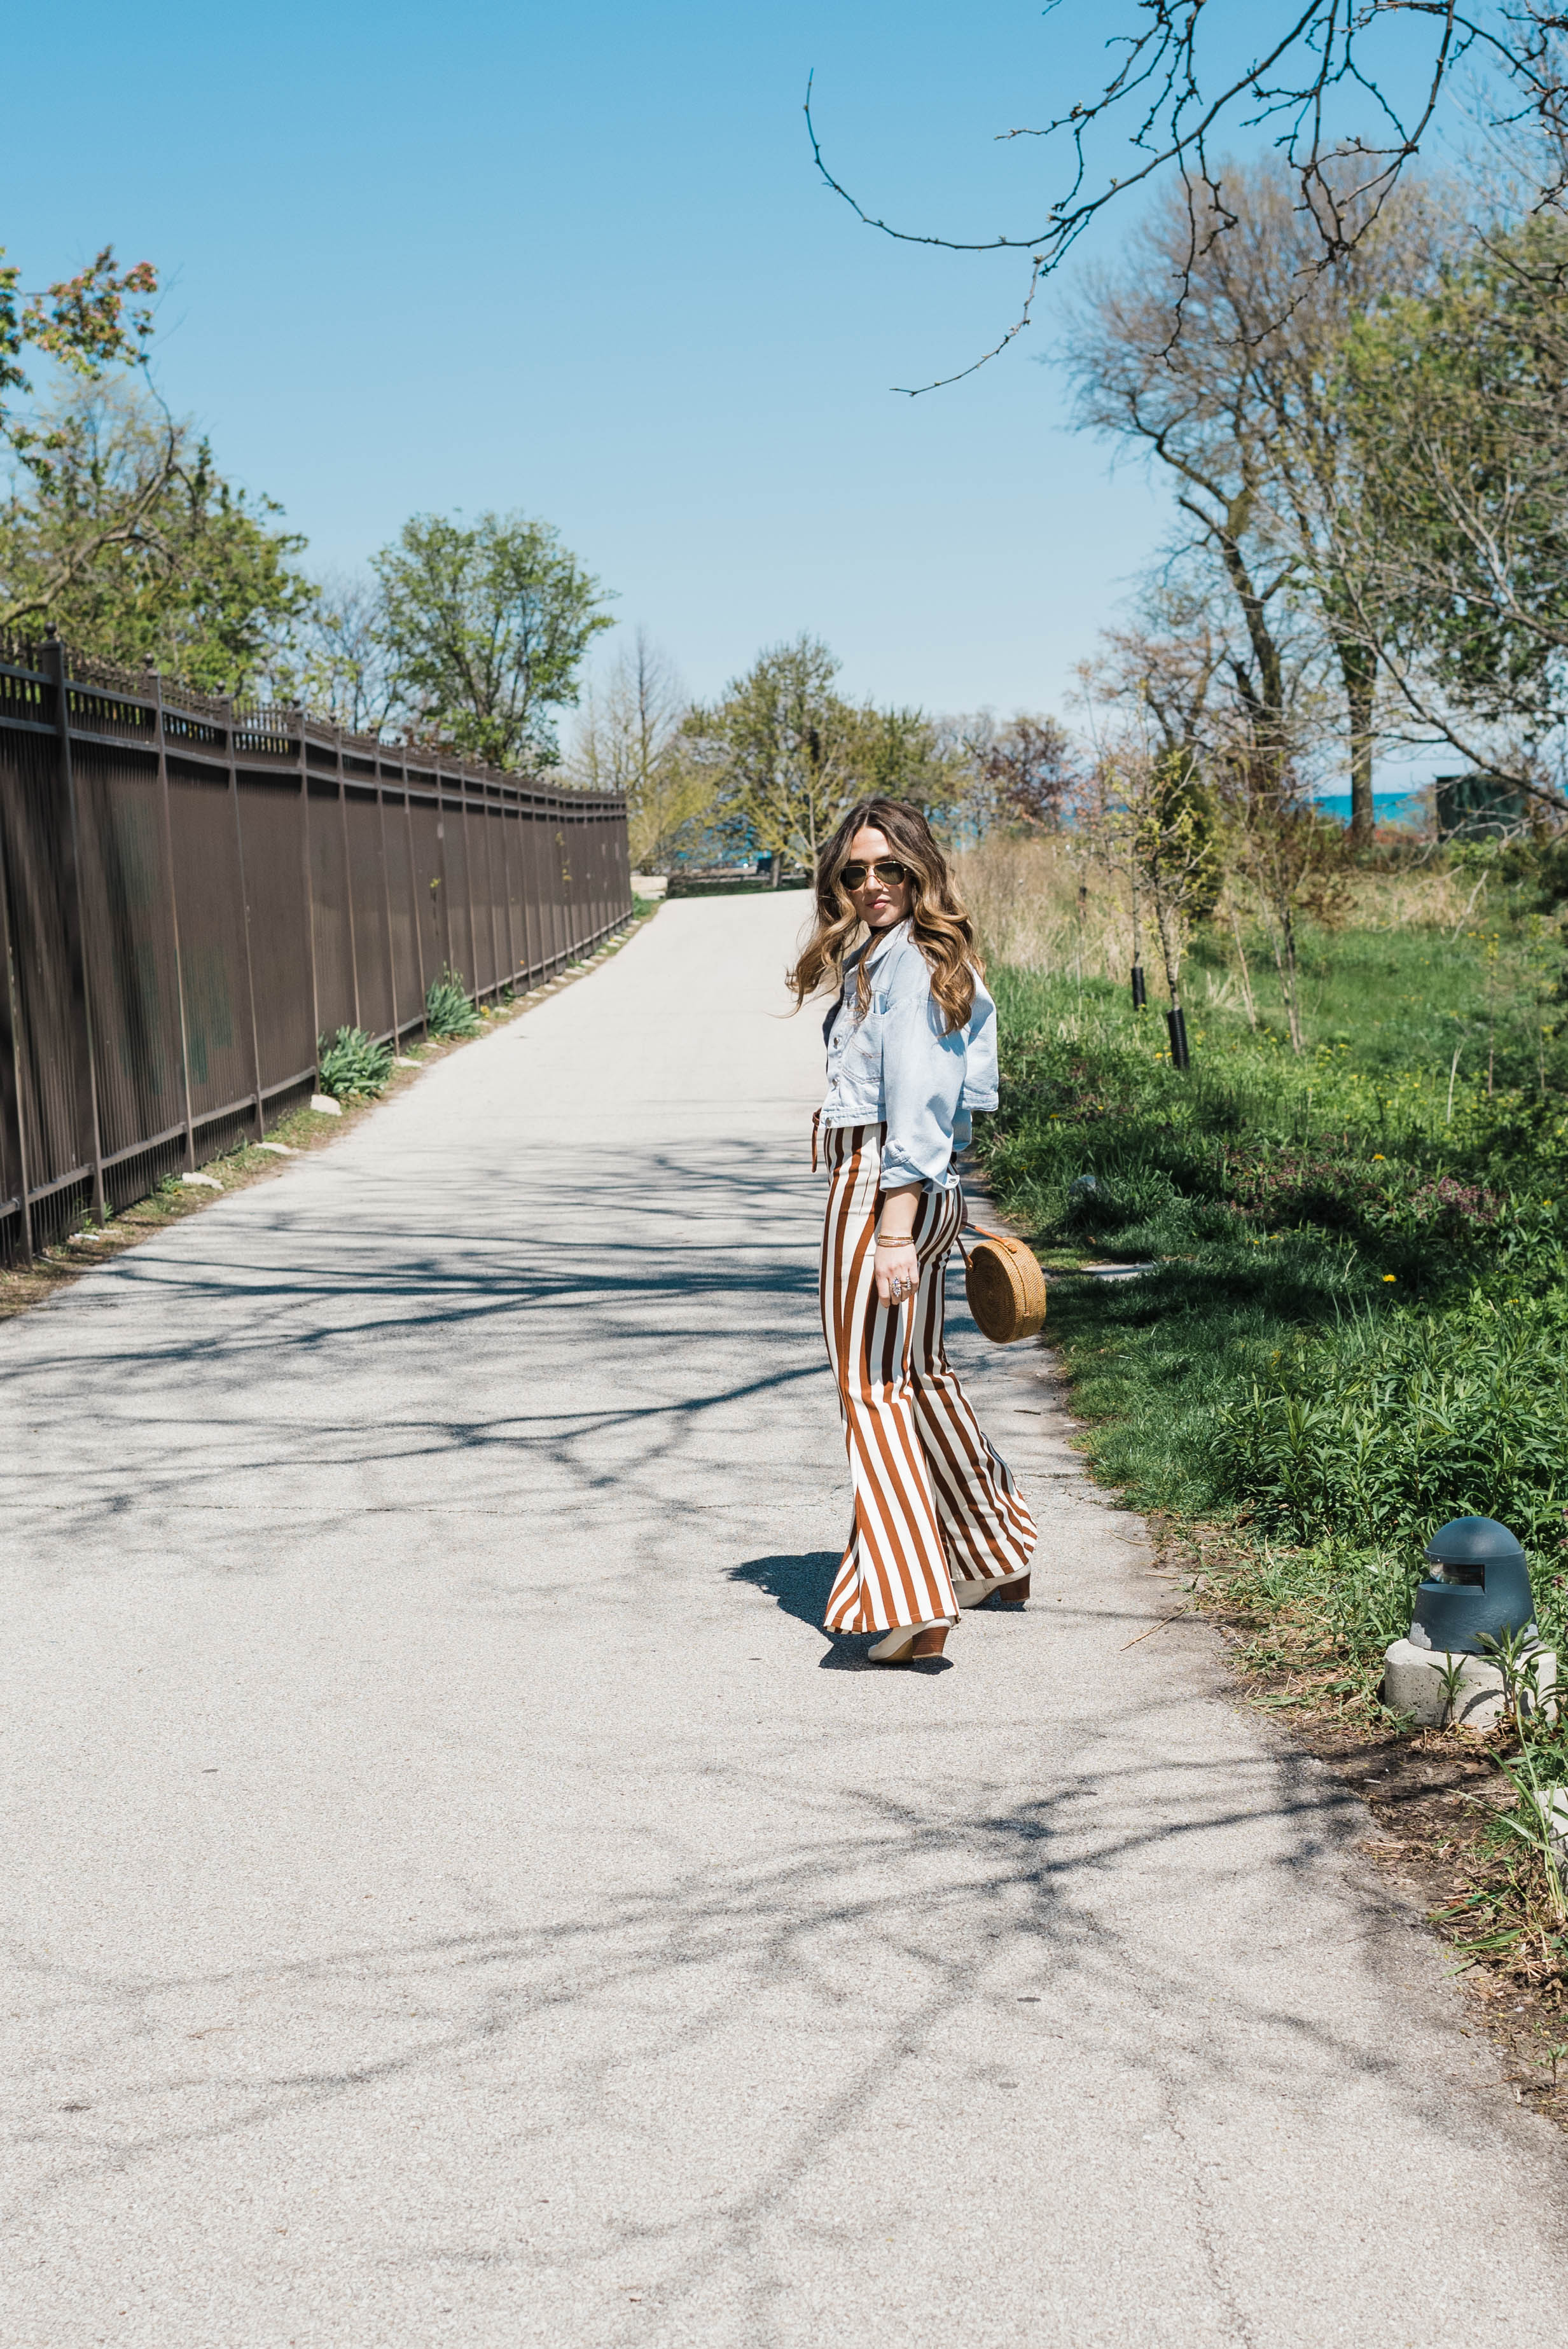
[1355, 1326]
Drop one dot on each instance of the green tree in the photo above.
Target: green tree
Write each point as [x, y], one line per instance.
[902, 754]
[87, 323]
[121, 530]
[786, 754]
[780, 749]
[1458, 397]
[484, 625]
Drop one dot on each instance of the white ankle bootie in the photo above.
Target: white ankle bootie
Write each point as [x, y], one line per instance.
[909, 1643]
[1006, 1590]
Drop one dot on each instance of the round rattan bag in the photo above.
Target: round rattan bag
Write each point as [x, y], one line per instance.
[1004, 1285]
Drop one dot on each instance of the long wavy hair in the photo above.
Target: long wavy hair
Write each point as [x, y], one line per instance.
[939, 922]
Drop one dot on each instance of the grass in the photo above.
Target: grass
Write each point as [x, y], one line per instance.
[1357, 1315]
[1356, 1325]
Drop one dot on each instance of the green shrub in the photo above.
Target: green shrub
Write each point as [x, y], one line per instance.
[1387, 1426]
[351, 1064]
[449, 1013]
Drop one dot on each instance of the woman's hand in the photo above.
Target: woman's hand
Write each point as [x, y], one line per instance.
[898, 1271]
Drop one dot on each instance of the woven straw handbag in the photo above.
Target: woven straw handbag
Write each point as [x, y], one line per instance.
[1004, 1285]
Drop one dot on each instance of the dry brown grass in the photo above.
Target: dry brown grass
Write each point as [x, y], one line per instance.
[1422, 897]
[1023, 895]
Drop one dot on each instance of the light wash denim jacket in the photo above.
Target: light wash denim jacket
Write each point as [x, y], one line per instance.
[899, 1067]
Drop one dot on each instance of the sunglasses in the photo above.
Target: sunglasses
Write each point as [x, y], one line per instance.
[888, 871]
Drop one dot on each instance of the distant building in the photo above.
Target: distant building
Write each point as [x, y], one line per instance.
[1478, 807]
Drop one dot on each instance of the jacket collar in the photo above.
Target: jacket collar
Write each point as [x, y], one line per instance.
[884, 943]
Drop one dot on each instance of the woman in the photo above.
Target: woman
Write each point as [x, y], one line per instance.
[911, 1051]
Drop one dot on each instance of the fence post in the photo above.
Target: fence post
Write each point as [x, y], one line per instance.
[245, 905]
[75, 918]
[387, 896]
[11, 1108]
[155, 688]
[506, 821]
[495, 958]
[471, 976]
[309, 890]
[534, 882]
[348, 873]
[560, 886]
[416, 906]
[438, 883]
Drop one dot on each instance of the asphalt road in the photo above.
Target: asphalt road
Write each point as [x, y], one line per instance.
[454, 1894]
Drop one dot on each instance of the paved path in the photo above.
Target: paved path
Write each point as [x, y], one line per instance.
[454, 1894]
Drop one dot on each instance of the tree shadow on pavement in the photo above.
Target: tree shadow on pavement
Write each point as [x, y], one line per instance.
[800, 1583]
[903, 1928]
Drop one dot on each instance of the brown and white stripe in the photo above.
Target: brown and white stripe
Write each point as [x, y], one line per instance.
[932, 1500]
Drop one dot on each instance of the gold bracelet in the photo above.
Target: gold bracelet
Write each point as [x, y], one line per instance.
[895, 1240]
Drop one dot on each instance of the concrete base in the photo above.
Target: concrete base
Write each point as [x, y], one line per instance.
[1553, 1801]
[1413, 1683]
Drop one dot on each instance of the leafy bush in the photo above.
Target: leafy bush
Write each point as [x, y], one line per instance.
[351, 1064]
[1384, 1428]
[449, 1013]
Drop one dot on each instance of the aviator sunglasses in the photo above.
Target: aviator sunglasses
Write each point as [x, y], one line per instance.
[886, 869]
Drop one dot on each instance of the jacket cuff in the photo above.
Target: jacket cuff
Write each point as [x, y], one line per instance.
[897, 1170]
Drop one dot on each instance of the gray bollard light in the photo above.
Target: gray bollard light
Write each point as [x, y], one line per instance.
[1479, 1590]
[1477, 1595]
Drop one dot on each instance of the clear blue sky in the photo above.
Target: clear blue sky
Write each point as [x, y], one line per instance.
[574, 258]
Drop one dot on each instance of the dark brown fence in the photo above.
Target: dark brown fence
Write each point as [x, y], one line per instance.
[194, 891]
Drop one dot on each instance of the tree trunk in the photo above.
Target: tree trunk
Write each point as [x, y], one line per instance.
[1282, 946]
[1292, 987]
[1250, 1007]
[1358, 668]
[1283, 940]
[1168, 923]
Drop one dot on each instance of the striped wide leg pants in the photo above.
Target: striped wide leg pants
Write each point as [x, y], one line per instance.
[932, 1501]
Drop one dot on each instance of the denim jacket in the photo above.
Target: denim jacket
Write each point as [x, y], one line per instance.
[899, 1067]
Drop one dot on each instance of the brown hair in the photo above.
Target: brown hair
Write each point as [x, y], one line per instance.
[938, 923]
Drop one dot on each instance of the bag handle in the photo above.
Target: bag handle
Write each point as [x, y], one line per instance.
[1004, 1239]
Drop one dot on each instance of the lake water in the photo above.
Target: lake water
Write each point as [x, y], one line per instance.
[1408, 808]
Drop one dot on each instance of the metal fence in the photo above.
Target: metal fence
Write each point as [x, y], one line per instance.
[194, 891]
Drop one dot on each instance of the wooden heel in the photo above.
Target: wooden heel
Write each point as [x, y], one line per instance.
[1016, 1594]
[929, 1643]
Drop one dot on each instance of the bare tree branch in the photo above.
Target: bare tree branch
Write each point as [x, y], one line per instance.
[1170, 109]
